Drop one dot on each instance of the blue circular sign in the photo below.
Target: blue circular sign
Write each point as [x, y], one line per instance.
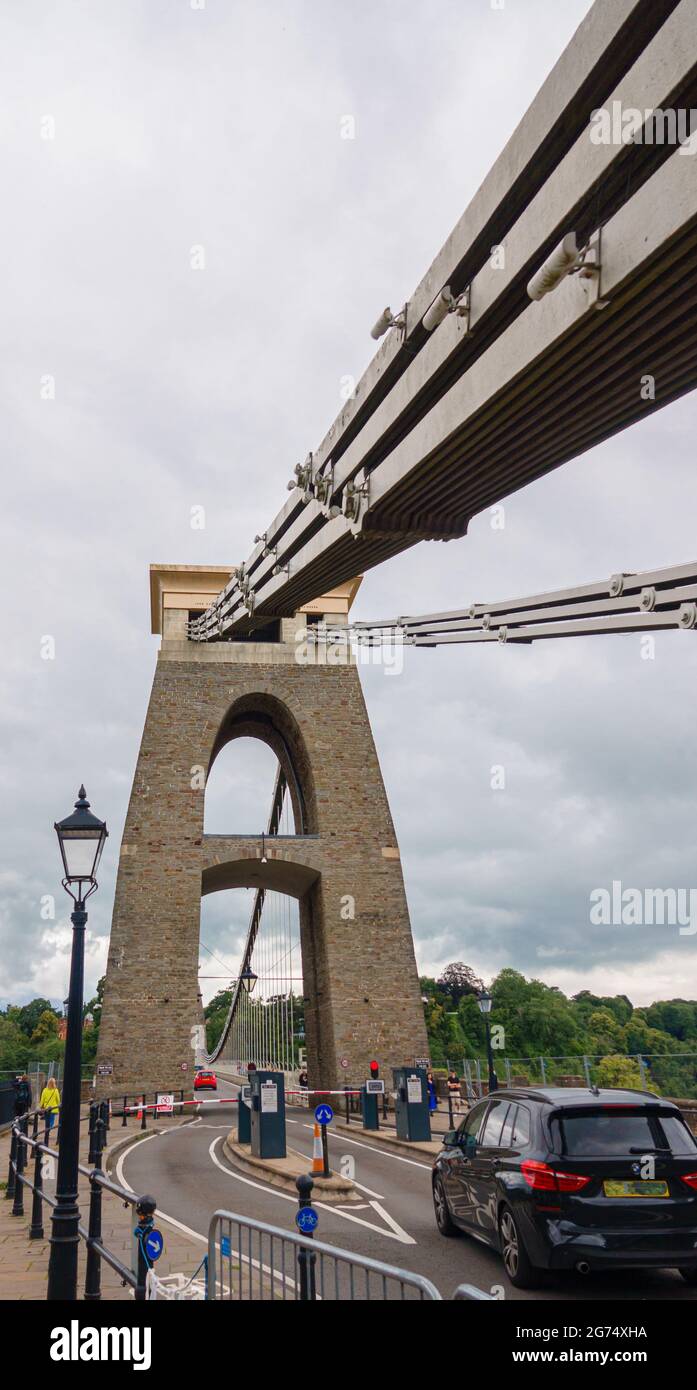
[324, 1114]
[306, 1219]
[154, 1245]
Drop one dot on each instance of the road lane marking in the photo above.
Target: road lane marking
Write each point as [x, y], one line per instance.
[368, 1190]
[344, 1139]
[119, 1163]
[396, 1232]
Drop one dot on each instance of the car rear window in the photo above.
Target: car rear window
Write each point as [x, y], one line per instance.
[681, 1141]
[606, 1133]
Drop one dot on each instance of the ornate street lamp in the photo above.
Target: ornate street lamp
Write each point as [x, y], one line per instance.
[484, 1002]
[81, 839]
[248, 979]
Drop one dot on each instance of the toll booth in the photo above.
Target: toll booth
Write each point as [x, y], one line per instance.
[244, 1116]
[268, 1114]
[411, 1103]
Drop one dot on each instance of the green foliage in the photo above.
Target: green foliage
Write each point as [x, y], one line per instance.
[620, 1072]
[530, 1020]
[28, 1015]
[215, 1014]
[29, 1033]
[46, 1029]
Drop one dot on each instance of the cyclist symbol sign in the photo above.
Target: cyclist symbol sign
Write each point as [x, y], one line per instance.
[306, 1220]
[324, 1114]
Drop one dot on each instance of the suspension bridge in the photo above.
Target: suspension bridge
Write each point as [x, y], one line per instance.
[559, 312]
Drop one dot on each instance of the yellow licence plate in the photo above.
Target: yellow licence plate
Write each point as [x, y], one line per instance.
[640, 1188]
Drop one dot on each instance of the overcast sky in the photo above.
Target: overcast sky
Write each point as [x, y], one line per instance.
[171, 127]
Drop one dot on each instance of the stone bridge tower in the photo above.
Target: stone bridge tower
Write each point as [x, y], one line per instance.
[343, 864]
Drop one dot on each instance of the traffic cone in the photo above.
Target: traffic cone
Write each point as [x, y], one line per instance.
[317, 1155]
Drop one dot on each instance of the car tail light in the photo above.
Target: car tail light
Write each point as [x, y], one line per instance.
[542, 1178]
[690, 1179]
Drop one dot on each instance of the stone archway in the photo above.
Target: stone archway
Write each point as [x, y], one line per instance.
[358, 957]
[260, 715]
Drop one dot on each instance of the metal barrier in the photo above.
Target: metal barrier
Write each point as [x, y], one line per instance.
[249, 1260]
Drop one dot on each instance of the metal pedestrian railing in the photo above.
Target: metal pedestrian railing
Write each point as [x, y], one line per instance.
[24, 1146]
[249, 1260]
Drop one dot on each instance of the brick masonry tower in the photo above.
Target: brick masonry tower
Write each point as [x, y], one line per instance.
[343, 864]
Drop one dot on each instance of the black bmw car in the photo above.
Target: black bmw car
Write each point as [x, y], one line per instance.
[560, 1179]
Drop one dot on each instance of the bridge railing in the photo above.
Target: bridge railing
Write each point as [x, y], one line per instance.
[249, 1260]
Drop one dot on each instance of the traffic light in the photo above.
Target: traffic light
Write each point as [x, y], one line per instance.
[374, 1070]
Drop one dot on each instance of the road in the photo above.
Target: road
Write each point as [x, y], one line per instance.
[191, 1177]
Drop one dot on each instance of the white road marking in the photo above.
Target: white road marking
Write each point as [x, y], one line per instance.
[119, 1165]
[368, 1190]
[395, 1232]
[344, 1139]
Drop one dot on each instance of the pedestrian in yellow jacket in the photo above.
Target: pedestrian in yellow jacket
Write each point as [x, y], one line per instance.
[50, 1101]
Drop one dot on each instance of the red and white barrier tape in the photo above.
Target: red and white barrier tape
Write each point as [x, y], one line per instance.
[198, 1100]
[229, 1100]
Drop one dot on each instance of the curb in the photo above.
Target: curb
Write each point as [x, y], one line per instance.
[334, 1189]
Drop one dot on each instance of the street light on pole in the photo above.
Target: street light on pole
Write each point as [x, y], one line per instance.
[484, 1002]
[81, 838]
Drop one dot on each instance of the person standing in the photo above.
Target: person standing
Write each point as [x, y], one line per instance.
[50, 1103]
[454, 1089]
[432, 1093]
[23, 1096]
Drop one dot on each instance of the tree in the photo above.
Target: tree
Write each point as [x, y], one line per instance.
[605, 1032]
[215, 1014]
[46, 1028]
[28, 1015]
[620, 1072]
[458, 980]
[13, 1044]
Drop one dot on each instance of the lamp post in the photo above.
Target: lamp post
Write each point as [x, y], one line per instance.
[484, 1002]
[81, 839]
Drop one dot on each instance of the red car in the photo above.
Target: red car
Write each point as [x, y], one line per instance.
[205, 1081]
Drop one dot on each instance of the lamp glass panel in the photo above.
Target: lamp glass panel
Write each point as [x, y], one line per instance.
[80, 851]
